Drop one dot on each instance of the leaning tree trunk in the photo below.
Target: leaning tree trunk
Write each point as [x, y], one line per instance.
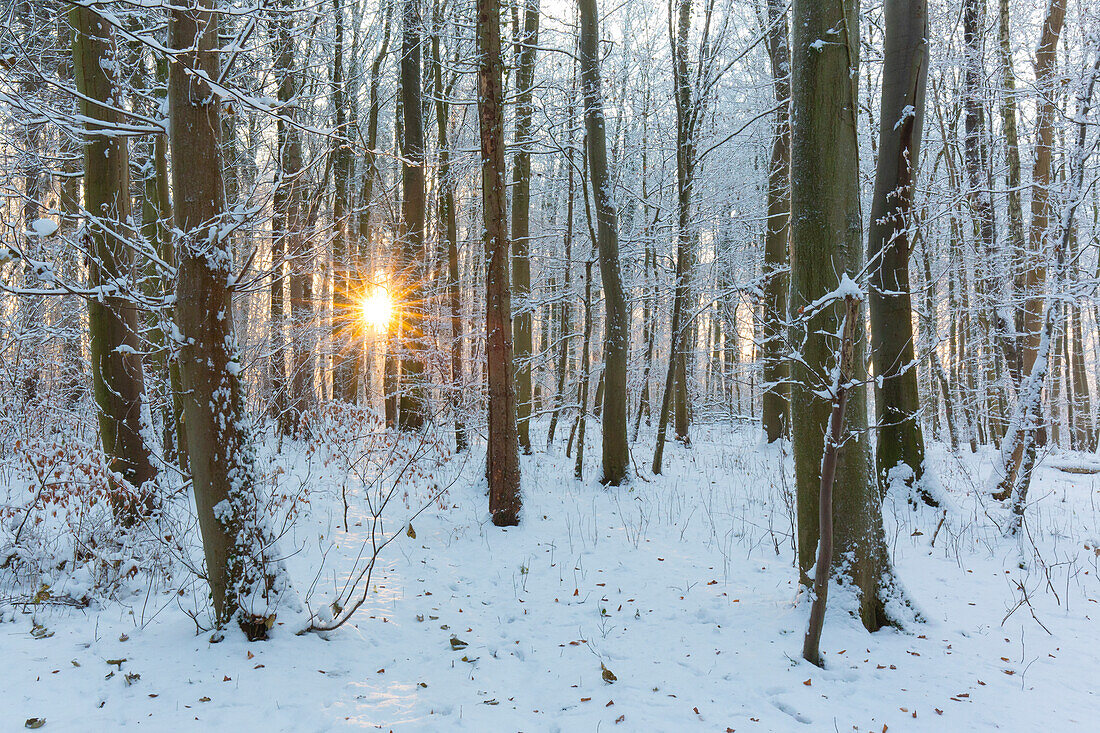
[1019, 450]
[1034, 275]
[502, 459]
[897, 400]
[617, 338]
[117, 378]
[774, 409]
[826, 241]
[526, 46]
[413, 308]
[244, 579]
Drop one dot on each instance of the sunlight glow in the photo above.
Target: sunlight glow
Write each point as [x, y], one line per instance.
[377, 309]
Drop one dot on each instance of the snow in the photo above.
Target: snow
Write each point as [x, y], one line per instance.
[42, 228]
[681, 585]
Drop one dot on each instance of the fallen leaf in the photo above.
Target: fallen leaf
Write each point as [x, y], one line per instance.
[34, 723]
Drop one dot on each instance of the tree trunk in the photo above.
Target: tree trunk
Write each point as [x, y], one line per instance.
[117, 378]
[897, 408]
[244, 579]
[826, 240]
[1035, 272]
[775, 408]
[811, 646]
[448, 226]
[1016, 243]
[686, 119]
[585, 374]
[565, 317]
[1034, 275]
[346, 326]
[413, 308]
[617, 337]
[525, 47]
[502, 460]
[287, 399]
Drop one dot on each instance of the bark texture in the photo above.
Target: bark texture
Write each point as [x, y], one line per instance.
[526, 46]
[897, 401]
[244, 581]
[616, 336]
[117, 377]
[502, 460]
[826, 240]
[775, 409]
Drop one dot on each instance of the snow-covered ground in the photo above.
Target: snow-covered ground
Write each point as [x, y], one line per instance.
[681, 586]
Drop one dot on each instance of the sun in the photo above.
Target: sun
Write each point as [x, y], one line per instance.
[377, 309]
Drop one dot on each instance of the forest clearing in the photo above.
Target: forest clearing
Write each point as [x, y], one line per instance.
[523, 365]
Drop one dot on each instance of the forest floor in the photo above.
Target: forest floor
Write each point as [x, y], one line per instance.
[681, 586]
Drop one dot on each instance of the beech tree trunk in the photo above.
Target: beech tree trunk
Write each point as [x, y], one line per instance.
[346, 327]
[448, 227]
[686, 118]
[1034, 275]
[526, 45]
[244, 580]
[826, 241]
[502, 459]
[1016, 242]
[412, 308]
[616, 336]
[775, 407]
[117, 377]
[897, 400]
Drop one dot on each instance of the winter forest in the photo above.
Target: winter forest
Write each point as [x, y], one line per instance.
[540, 365]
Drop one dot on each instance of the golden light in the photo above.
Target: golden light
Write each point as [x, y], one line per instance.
[377, 309]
